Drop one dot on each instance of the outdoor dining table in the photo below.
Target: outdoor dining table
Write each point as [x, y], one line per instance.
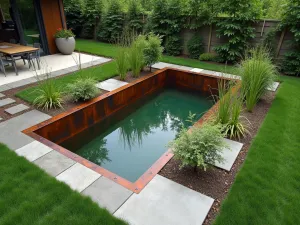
[12, 50]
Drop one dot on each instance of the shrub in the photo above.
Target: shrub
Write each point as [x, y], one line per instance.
[122, 63]
[134, 16]
[258, 73]
[135, 58]
[200, 146]
[49, 94]
[153, 50]
[208, 57]
[63, 33]
[195, 46]
[291, 63]
[74, 15]
[173, 45]
[82, 89]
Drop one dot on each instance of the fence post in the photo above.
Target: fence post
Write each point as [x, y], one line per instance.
[280, 42]
[209, 38]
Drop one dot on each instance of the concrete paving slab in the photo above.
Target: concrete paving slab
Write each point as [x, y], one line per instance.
[187, 68]
[2, 95]
[11, 134]
[227, 75]
[54, 163]
[273, 87]
[6, 101]
[229, 154]
[196, 70]
[4, 87]
[1, 118]
[164, 202]
[161, 65]
[110, 84]
[78, 177]
[107, 194]
[208, 72]
[16, 109]
[33, 151]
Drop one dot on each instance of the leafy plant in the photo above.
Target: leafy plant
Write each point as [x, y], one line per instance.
[63, 33]
[49, 94]
[122, 63]
[200, 146]
[258, 73]
[195, 47]
[208, 57]
[291, 62]
[82, 89]
[153, 50]
[135, 58]
[113, 22]
[74, 15]
[173, 45]
[236, 27]
[134, 16]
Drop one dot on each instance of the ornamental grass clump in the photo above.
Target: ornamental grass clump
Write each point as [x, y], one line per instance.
[122, 63]
[136, 60]
[199, 146]
[82, 89]
[49, 95]
[258, 73]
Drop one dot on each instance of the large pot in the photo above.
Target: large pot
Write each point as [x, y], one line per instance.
[65, 45]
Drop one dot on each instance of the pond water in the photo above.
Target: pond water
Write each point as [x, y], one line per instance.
[132, 140]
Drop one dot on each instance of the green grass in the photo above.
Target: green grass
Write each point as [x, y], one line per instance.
[29, 196]
[266, 190]
[99, 73]
[110, 50]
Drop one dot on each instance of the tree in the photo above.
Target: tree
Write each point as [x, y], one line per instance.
[134, 16]
[236, 27]
[153, 50]
[74, 15]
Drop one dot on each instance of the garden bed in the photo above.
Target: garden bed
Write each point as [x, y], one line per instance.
[216, 182]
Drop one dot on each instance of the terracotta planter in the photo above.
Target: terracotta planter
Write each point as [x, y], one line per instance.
[65, 45]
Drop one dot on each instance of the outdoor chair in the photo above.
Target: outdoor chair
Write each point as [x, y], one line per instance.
[18, 56]
[30, 57]
[3, 63]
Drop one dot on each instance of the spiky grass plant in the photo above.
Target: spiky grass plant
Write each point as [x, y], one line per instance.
[49, 94]
[122, 63]
[224, 98]
[135, 58]
[258, 73]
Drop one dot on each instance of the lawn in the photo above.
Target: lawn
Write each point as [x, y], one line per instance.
[266, 190]
[30, 196]
[99, 73]
[110, 50]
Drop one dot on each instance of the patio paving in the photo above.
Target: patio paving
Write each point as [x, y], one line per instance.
[2, 95]
[78, 177]
[229, 154]
[107, 194]
[273, 87]
[6, 101]
[110, 84]
[11, 134]
[54, 163]
[164, 202]
[196, 70]
[52, 63]
[16, 109]
[33, 150]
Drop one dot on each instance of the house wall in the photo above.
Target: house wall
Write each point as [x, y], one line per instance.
[54, 18]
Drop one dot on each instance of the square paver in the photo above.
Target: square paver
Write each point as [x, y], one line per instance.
[196, 70]
[273, 87]
[2, 95]
[164, 202]
[208, 72]
[78, 177]
[161, 65]
[111, 84]
[186, 68]
[54, 163]
[229, 154]
[33, 151]
[11, 130]
[6, 101]
[107, 193]
[16, 109]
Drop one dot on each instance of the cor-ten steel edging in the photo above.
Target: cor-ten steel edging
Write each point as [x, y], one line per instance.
[137, 186]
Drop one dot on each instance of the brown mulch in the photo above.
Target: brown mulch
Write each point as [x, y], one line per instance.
[216, 182]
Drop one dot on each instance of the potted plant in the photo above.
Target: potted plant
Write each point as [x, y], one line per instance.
[65, 41]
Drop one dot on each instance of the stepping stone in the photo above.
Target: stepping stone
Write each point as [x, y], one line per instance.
[230, 154]
[16, 109]
[111, 84]
[54, 163]
[78, 177]
[6, 101]
[2, 95]
[164, 202]
[273, 87]
[33, 151]
[196, 70]
[107, 194]
[11, 130]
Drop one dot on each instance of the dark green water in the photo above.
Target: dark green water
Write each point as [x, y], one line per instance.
[129, 142]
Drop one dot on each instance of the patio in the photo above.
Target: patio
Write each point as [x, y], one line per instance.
[57, 64]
